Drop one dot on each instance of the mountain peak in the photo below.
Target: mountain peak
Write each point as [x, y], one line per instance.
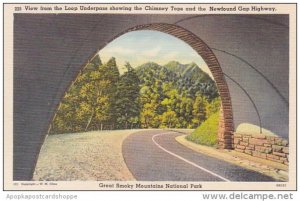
[192, 64]
[151, 63]
[175, 67]
[147, 65]
[173, 63]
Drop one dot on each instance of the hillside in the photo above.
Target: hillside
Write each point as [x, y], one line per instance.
[191, 71]
[188, 77]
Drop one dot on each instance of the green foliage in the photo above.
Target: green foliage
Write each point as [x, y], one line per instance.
[191, 78]
[207, 132]
[184, 91]
[127, 108]
[199, 110]
[213, 107]
[149, 96]
[87, 105]
[169, 119]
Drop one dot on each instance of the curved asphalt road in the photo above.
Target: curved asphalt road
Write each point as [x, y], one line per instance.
[155, 155]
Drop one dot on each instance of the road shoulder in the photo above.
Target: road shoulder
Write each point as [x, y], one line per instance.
[269, 168]
[95, 156]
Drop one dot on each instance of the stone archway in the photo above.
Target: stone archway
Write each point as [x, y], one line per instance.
[42, 88]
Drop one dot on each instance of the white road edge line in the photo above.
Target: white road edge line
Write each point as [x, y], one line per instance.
[185, 160]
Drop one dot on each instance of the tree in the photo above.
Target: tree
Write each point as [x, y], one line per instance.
[169, 119]
[127, 103]
[149, 100]
[69, 117]
[88, 103]
[94, 64]
[95, 108]
[110, 72]
[199, 110]
[186, 112]
[149, 117]
[213, 106]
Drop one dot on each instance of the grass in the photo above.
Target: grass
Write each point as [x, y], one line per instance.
[207, 132]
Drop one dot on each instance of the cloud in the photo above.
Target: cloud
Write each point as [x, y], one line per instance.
[170, 56]
[152, 52]
[117, 50]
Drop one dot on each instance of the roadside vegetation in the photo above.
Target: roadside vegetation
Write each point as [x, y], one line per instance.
[207, 132]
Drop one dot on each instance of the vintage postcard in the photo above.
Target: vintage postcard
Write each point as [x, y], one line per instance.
[150, 97]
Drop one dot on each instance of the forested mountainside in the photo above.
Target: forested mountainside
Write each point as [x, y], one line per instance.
[149, 96]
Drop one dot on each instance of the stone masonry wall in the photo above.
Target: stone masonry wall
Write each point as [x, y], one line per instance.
[263, 146]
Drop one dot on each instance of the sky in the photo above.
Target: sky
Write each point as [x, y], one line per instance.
[139, 47]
